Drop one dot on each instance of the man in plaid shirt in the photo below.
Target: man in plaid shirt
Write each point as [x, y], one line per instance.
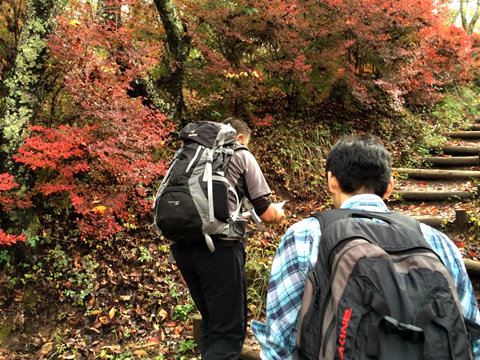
[359, 178]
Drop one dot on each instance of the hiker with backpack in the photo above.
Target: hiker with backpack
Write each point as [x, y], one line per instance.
[360, 282]
[198, 207]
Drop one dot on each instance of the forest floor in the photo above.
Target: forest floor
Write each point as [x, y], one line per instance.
[125, 300]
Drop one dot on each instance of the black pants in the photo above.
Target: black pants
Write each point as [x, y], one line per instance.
[217, 283]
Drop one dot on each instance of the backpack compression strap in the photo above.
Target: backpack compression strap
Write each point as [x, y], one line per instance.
[252, 212]
[207, 176]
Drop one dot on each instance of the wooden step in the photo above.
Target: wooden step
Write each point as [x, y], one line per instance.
[462, 134]
[433, 221]
[472, 266]
[475, 127]
[461, 150]
[437, 174]
[451, 161]
[433, 195]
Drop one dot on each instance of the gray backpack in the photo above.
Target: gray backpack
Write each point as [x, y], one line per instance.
[378, 291]
[192, 203]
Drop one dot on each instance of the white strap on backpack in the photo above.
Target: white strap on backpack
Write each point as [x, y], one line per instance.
[207, 176]
[253, 214]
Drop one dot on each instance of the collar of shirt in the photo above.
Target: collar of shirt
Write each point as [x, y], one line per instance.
[365, 202]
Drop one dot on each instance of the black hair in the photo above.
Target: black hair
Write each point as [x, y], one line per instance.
[239, 125]
[361, 164]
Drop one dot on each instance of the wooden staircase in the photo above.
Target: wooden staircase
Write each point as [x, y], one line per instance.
[458, 163]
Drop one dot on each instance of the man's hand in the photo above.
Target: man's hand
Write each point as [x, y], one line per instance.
[274, 214]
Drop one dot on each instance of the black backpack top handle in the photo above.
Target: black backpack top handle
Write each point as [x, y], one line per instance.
[205, 133]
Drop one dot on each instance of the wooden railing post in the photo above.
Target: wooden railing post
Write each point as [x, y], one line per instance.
[404, 155]
[197, 330]
[461, 218]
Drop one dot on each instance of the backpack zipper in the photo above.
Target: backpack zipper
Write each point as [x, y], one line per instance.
[190, 164]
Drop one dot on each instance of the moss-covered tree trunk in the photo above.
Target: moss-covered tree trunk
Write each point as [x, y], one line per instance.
[178, 44]
[24, 87]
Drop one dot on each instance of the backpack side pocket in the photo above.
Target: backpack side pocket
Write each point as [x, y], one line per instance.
[220, 198]
[172, 208]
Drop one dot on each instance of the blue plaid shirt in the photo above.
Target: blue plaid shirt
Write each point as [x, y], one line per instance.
[297, 253]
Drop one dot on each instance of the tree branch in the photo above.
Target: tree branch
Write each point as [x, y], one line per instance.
[475, 17]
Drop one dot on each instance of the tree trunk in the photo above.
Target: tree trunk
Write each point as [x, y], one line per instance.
[13, 13]
[24, 93]
[463, 14]
[109, 12]
[468, 26]
[178, 47]
[146, 88]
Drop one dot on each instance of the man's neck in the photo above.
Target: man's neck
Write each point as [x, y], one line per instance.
[340, 198]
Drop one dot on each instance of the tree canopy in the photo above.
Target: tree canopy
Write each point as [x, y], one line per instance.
[112, 80]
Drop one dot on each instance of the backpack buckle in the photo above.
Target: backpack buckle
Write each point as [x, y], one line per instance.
[405, 331]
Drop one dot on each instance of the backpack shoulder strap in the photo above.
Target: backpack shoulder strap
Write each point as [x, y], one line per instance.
[327, 217]
[244, 200]
[398, 232]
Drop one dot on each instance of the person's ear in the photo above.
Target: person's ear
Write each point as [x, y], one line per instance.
[242, 139]
[333, 185]
[389, 191]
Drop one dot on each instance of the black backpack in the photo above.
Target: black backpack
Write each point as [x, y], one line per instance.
[379, 291]
[192, 203]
